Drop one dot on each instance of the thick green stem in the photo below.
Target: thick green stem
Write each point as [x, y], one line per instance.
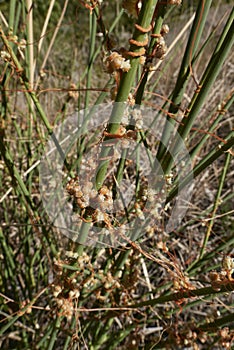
[126, 83]
[12, 14]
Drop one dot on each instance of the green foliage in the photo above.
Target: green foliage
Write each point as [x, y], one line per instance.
[162, 290]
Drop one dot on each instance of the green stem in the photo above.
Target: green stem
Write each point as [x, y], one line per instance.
[213, 68]
[220, 111]
[12, 14]
[202, 165]
[126, 83]
[93, 32]
[219, 322]
[119, 173]
[216, 204]
[54, 333]
[187, 294]
[24, 81]
[15, 176]
[7, 250]
[184, 73]
[161, 11]
[21, 312]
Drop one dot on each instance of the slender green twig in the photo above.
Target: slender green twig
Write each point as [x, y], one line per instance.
[219, 322]
[161, 11]
[202, 165]
[217, 203]
[213, 68]
[185, 295]
[185, 70]
[93, 32]
[25, 82]
[221, 111]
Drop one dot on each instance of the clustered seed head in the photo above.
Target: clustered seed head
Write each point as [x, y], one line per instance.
[25, 303]
[116, 62]
[164, 29]
[156, 211]
[226, 338]
[169, 179]
[66, 308]
[80, 195]
[228, 263]
[142, 60]
[132, 115]
[161, 48]
[72, 255]
[136, 114]
[186, 336]
[97, 203]
[73, 93]
[109, 281]
[12, 37]
[139, 212]
[181, 283]
[131, 100]
[90, 276]
[84, 260]
[65, 292]
[225, 276]
[105, 199]
[22, 44]
[5, 56]
[66, 289]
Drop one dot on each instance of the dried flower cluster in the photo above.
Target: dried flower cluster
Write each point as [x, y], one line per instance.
[116, 62]
[95, 203]
[226, 338]
[191, 337]
[164, 29]
[65, 290]
[5, 56]
[100, 209]
[91, 279]
[73, 92]
[21, 45]
[160, 47]
[113, 211]
[225, 276]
